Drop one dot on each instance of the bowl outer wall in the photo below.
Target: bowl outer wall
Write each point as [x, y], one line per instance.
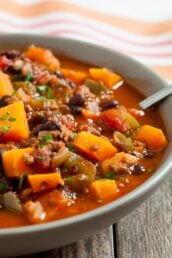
[30, 239]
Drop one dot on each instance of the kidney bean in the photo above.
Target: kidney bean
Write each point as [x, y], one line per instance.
[77, 100]
[48, 126]
[4, 100]
[76, 110]
[109, 104]
[137, 169]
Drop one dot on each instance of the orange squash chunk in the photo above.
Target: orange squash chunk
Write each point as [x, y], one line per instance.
[152, 136]
[103, 189]
[43, 56]
[13, 162]
[77, 77]
[104, 75]
[95, 147]
[13, 123]
[6, 87]
[42, 182]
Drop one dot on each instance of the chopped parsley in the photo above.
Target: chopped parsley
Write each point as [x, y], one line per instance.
[21, 180]
[7, 117]
[5, 128]
[41, 157]
[110, 174]
[71, 147]
[50, 94]
[42, 88]
[3, 185]
[46, 91]
[12, 119]
[73, 136]
[28, 77]
[40, 98]
[46, 138]
[40, 113]
[69, 179]
[65, 95]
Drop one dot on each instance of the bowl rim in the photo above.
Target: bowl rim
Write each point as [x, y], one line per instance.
[135, 194]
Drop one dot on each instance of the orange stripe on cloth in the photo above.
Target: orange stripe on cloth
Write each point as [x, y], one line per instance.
[131, 25]
[164, 71]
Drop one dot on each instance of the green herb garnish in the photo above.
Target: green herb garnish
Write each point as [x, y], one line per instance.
[40, 98]
[50, 94]
[41, 157]
[74, 136]
[5, 128]
[69, 179]
[28, 77]
[46, 138]
[5, 117]
[110, 174]
[40, 113]
[41, 88]
[3, 185]
[21, 180]
[65, 95]
[12, 119]
[17, 78]
[71, 147]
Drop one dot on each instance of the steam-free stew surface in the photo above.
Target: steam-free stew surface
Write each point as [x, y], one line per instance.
[78, 143]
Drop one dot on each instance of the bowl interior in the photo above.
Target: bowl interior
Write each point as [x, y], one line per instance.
[134, 73]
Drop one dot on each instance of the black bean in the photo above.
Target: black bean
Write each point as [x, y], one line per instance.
[71, 84]
[137, 169]
[48, 126]
[59, 74]
[11, 54]
[109, 104]
[147, 153]
[76, 110]
[11, 69]
[4, 100]
[77, 100]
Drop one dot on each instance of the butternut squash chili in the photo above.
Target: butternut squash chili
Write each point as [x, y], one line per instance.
[72, 138]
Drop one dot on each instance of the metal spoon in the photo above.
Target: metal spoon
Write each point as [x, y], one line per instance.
[155, 98]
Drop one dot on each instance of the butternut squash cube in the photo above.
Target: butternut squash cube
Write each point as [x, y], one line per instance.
[6, 87]
[13, 123]
[42, 182]
[103, 189]
[95, 147]
[76, 76]
[13, 162]
[152, 136]
[106, 76]
[43, 56]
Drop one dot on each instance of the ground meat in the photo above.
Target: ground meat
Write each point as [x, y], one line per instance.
[42, 159]
[48, 126]
[91, 101]
[4, 100]
[11, 54]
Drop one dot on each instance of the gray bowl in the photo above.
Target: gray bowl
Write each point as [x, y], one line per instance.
[36, 238]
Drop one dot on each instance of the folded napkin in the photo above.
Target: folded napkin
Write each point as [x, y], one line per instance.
[141, 29]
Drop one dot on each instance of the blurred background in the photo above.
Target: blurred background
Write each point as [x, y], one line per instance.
[141, 29]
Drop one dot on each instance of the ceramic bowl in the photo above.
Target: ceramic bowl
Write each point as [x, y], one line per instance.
[36, 238]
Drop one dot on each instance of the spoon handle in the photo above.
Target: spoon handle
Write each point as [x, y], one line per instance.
[156, 97]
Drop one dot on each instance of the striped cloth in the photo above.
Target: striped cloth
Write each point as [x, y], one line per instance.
[141, 29]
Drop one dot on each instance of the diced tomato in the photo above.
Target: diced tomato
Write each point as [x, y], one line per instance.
[115, 118]
[4, 62]
[137, 113]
